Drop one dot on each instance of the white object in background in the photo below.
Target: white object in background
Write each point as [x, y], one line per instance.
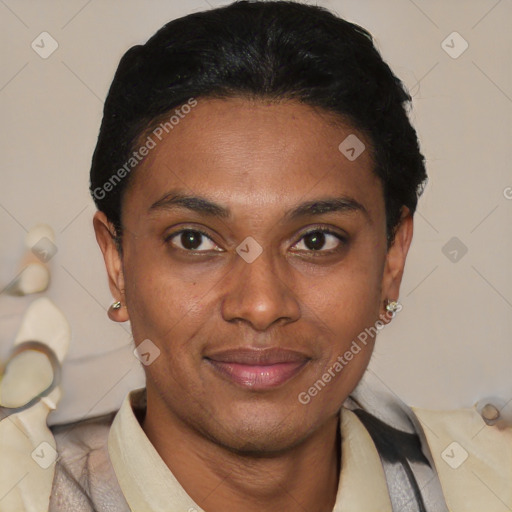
[34, 275]
[29, 391]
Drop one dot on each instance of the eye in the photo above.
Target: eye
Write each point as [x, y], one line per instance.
[320, 240]
[192, 240]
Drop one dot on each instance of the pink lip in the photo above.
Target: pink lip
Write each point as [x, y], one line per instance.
[258, 369]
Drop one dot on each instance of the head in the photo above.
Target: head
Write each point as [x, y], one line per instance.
[256, 177]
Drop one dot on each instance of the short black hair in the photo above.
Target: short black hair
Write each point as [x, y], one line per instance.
[274, 50]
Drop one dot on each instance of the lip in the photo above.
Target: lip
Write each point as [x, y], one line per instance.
[258, 369]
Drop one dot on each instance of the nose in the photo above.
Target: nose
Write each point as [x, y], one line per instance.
[258, 294]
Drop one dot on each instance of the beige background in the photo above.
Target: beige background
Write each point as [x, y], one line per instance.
[452, 343]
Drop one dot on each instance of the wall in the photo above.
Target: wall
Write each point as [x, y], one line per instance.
[451, 344]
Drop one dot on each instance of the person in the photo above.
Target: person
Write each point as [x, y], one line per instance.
[256, 177]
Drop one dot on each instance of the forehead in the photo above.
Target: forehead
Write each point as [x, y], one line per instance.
[254, 152]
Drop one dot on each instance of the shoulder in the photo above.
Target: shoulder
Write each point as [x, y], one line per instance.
[84, 477]
[473, 459]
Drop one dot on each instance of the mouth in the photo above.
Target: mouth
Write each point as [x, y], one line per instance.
[257, 369]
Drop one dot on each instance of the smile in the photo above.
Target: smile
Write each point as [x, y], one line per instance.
[257, 369]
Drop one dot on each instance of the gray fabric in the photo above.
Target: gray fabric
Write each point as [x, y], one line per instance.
[408, 465]
[409, 476]
[85, 480]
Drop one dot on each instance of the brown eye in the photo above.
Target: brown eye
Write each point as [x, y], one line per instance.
[320, 241]
[192, 240]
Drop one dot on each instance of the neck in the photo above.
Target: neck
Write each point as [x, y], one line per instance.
[219, 480]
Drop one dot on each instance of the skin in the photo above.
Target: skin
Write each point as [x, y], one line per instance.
[232, 447]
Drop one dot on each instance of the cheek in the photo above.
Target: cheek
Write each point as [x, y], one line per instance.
[349, 297]
[345, 306]
[162, 301]
[168, 314]
[346, 317]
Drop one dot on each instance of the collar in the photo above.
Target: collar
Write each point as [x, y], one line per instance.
[148, 484]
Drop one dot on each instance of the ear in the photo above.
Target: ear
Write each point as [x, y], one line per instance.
[105, 236]
[395, 259]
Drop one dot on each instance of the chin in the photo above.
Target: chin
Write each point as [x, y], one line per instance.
[258, 444]
[260, 434]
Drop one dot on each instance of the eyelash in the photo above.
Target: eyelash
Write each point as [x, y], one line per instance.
[343, 240]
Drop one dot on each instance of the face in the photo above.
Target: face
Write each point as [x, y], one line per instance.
[254, 255]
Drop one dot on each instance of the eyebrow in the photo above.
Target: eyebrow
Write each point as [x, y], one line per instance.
[179, 200]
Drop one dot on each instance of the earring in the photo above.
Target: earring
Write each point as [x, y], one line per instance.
[116, 305]
[393, 306]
